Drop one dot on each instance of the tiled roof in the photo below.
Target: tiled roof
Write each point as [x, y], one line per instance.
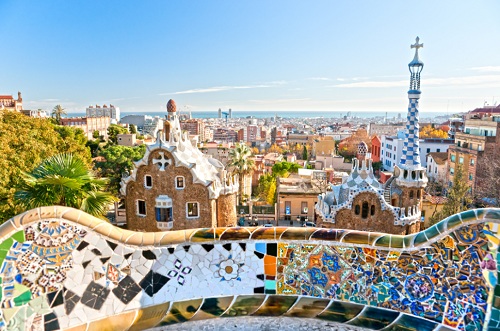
[435, 199]
[439, 157]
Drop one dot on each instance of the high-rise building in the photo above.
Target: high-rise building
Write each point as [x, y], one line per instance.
[98, 111]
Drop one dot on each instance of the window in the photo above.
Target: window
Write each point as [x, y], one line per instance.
[303, 207]
[438, 150]
[472, 162]
[418, 194]
[452, 158]
[452, 171]
[148, 181]
[459, 143]
[192, 209]
[428, 150]
[372, 210]
[356, 209]
[364, 211]
[460, 160]
[163, 214]
[411, 194]
[141, 207]
[179, 182]
[470, 177]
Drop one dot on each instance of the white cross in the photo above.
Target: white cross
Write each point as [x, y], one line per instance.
[417, 45]
[162, 161]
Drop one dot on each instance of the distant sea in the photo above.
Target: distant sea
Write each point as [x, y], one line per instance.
[284, 114]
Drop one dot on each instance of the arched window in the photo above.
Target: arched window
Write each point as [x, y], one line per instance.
[411, 194]
[418, 194]
[356, 209]
[372, 210]
[364, 211]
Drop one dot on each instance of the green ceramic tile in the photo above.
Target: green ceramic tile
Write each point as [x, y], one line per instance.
[408, 240]
[453, 221]
[357, 237]
[341, 312]
[470, 215]
[19, 236]
[203, 235]
[384, 241]
[492, 214]
[22, 299]
[276, 305]
[420, 239]
[442, 226]
[374, 318]
[397, 241]
[244, 305]
[432, 232]
[270, 284]
[6, 244]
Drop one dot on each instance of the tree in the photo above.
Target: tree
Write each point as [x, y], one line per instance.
[241, 164]
[459, 197]
[255, 151]
[65, 180]
[113, 131]
[487, 188]
[96, 134]
[24, 143]
[132, 129]
[267, 188]
[284, 168]
[275, 149]
[57, 113]
[118, 159]
[429, 132]
[304, 153]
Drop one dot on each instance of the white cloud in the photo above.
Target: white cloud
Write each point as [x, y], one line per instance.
[275, 101]
[463, 81]
[319, 78]
[225, 88]
[487, 69]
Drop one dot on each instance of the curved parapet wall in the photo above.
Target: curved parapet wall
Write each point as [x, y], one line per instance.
[63, 269]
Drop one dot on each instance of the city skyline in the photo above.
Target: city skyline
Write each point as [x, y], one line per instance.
[255, 56]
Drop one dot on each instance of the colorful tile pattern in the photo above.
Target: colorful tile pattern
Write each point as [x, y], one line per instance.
[63, 269]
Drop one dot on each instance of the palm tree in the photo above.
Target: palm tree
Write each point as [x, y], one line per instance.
[57, 113]
[64, 180]
[241, 164]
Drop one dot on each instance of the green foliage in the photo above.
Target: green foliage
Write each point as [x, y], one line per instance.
[24, 143]
[132, 129]
[459, 197]
[113, 131]
[64, 180]
[241, 164]
[377, 165]
[267, 188]
[119, 159]
[57, 113]
[284, 168]
[95, 134]
[304, 153]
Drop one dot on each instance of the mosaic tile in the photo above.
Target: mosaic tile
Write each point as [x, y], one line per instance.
[153, 282]
[94, 296]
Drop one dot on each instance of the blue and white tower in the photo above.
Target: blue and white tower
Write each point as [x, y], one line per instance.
[410, 172]
[410, 176]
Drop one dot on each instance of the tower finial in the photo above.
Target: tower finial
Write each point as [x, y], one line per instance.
[416, 45]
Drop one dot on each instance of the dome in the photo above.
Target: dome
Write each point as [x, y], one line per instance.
[171, 106]
[362, 148]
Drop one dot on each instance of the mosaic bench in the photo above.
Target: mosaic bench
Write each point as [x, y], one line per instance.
[62, 269]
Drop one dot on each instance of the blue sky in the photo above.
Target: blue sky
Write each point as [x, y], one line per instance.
[249, 55]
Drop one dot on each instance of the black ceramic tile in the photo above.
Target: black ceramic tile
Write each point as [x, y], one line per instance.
[95, 295]
[153, 282]
[126, 290]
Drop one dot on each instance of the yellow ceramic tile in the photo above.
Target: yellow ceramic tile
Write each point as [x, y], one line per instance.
[150, 317]
[173, 238]
[113, 323]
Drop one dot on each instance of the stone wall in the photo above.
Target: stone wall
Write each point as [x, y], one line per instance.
[164, 184]
[380, 221]
[62, 269]
[226, 210]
